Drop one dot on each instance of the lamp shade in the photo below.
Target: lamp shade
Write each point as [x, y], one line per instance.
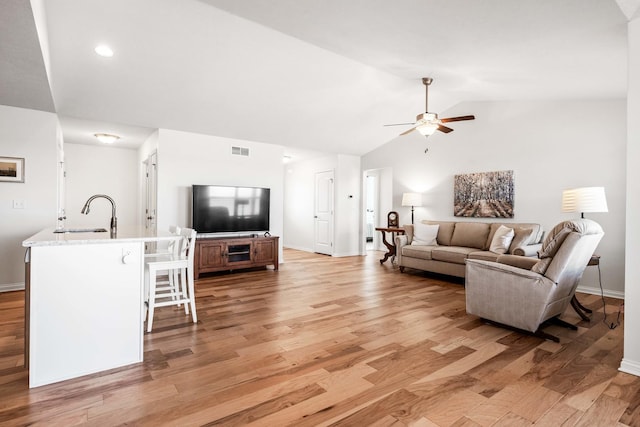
[411, 199]
[585, 199]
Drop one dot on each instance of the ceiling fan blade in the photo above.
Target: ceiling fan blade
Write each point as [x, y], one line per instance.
[444, 129]
[457, 119]
[407, 131]
[400, 124]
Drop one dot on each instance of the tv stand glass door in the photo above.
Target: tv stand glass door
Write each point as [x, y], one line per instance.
[237, 253]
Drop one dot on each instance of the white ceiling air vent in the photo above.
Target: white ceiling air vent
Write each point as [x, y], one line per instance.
[240, 151]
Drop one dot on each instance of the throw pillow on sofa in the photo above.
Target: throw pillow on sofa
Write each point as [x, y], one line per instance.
[501, 240]
[425, 234]
[522, 238]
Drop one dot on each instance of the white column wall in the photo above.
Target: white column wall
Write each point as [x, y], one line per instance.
[631, 359]
[348, 227]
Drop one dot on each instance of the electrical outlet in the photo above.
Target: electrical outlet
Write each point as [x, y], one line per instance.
[18, 204]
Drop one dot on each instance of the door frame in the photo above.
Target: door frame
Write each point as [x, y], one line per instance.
[384, 196]
[150, 208]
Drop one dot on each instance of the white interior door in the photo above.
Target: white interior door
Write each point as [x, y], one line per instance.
[323, 217]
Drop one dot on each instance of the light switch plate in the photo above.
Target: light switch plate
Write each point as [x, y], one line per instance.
[18, 204]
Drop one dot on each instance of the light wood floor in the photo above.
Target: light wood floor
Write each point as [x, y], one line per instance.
[335, 341]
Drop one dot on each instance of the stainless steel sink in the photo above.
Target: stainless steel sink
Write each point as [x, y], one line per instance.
[81, 230]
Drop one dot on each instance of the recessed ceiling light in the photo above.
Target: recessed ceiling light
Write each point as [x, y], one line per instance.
[106, 138]
[104, 50]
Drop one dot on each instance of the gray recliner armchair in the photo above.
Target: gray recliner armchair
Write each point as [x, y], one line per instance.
[524, 298]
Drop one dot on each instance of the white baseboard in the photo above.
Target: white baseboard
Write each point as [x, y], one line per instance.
[298, 248]
[630, 367]
[347, 254]
[596, 291]
[8, 287]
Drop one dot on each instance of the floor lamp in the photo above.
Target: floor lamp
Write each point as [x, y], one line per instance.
[413, 200]
[585, 199]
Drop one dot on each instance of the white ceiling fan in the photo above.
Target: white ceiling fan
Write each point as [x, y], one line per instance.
[427, 123]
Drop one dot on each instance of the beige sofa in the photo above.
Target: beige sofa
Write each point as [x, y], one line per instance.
[459, 241]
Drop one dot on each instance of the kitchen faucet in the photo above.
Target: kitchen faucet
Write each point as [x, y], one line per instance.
[114, 220]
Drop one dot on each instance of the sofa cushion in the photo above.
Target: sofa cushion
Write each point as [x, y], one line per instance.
[425, 234]
[445, 231]
[417, 251]
[484, 255]
[454, 254]
[501, 240]
[471, 235]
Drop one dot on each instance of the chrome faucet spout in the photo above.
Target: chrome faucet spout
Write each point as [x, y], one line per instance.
[114, 220]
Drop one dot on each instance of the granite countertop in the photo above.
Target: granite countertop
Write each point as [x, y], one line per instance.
[125, 234]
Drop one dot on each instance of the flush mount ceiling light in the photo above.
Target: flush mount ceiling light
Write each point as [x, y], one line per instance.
[106, 138]
[104, 50]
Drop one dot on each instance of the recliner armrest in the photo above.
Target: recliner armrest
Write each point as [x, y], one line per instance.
[518, 261]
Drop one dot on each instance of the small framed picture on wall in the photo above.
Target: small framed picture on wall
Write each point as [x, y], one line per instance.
[11, 169]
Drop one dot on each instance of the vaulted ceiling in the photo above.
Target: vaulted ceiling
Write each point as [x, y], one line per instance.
[322, 75]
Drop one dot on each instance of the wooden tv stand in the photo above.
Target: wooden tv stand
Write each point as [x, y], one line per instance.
[231, 253]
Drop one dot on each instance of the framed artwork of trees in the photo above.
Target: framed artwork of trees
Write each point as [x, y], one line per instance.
[483, 195]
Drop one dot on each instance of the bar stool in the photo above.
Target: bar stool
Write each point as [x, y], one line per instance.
[161, 254]
[179, 288]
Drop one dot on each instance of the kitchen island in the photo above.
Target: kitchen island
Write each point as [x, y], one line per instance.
[84, 301]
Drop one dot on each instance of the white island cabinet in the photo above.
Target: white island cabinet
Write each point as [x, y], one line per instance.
[84, 303]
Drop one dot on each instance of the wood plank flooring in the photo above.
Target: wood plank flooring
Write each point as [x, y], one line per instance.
[335, 342]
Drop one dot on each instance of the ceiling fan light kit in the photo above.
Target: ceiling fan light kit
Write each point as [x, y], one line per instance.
[427, 123]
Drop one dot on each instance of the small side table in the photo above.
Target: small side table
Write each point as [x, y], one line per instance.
[579, 308]
[391, 247]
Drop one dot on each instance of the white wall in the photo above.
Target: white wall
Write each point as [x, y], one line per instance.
[32, 135]
[93, 169]
[299, 203]
[186, 158]
[631, 360]
[348, 234]
[299, 187]
[550, 146]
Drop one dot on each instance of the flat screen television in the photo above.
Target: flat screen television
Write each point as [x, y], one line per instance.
[230, 209]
